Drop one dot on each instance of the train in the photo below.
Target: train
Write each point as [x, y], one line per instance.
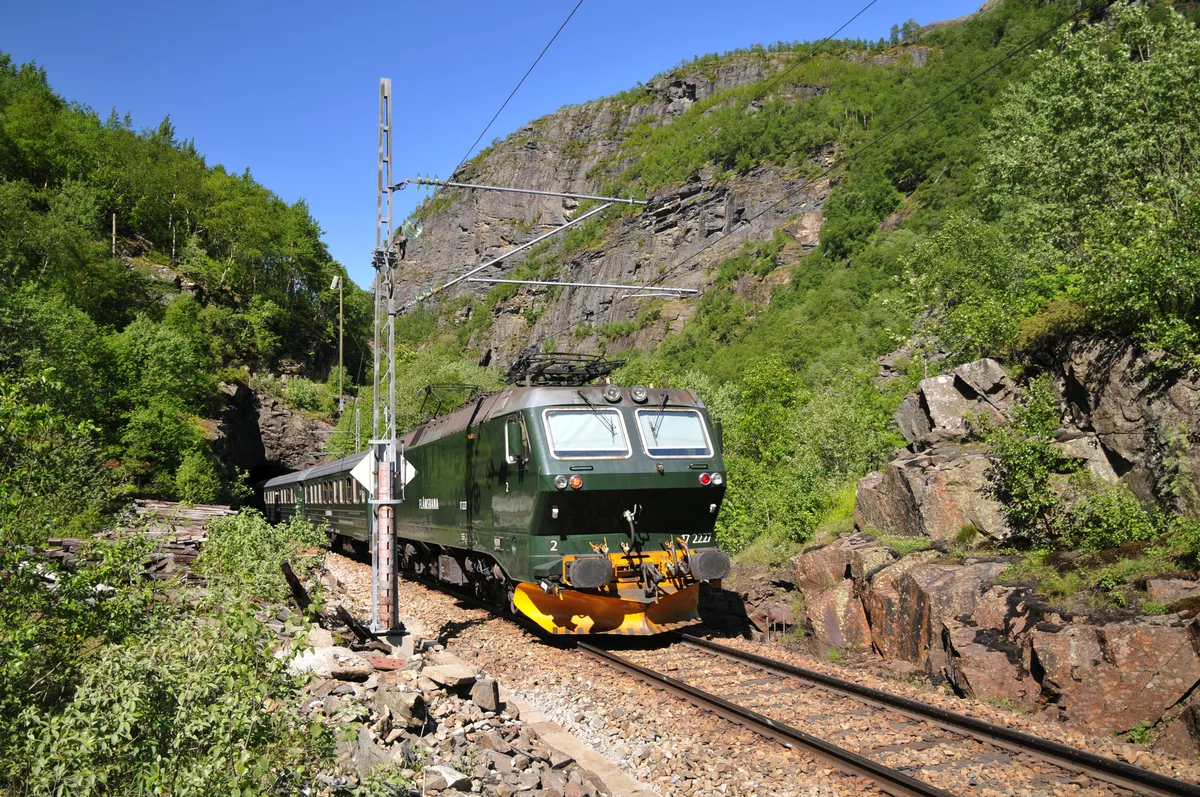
[588, 509]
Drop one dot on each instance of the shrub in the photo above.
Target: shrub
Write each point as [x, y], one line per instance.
[198, 481]
[305, 395]
[1057, 321]
[184, 711]
[243, 552]
[1153, 608]
[1106, 517]
[1025, 462]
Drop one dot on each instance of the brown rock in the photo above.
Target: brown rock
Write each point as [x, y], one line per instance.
[1113, 677]
[486, 694]
[451, 676]
[1169, 590]
[408, 708]
[837, 618]
[492, 740]
[554, 782]
[856, 556]
[774, 613]
[881, 600]
[1181, 735]
[982, 663]
[931, 595]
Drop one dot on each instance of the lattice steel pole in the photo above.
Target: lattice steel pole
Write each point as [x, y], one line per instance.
[383, 554]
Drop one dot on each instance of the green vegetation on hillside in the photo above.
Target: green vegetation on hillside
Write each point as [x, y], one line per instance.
[212, 277]
[1049, 196]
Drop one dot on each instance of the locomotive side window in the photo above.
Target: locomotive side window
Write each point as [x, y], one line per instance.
[586, 433]
[673, 433]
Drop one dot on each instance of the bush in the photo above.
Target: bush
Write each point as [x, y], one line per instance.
[182, 711]
[1057, 321]
[198, 481]
[243, 552]
[1106, 517]
[305, 395]
[1021, 478]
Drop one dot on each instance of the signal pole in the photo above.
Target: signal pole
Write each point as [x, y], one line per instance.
[383, 429]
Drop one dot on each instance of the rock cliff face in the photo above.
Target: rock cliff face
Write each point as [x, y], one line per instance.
[1125, 420]
[578, 150]
[265, 437]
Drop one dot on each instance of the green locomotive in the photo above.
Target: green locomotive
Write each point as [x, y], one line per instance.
[588, 509]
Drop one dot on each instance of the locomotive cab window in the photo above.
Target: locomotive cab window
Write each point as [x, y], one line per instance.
[586, 433]
[673, 433]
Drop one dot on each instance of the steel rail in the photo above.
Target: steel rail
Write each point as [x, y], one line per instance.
[889, 780]
[1118, 773]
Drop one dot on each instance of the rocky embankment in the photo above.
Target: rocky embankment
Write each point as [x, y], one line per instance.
[961, 618]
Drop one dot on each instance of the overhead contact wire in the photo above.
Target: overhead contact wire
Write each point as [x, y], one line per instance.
[516, 88]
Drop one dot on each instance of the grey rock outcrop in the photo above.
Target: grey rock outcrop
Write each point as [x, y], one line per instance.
[931, 494]
[941, 409]
[578, 149]
[264, 436]
[1146, 418]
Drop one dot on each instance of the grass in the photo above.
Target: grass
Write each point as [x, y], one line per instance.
[770, 550]
[901, 545]
[1090, 582]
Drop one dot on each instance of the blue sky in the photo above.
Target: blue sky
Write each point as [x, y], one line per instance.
[290, 90]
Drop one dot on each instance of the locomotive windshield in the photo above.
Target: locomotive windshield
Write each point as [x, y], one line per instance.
[592, 432]
[673, 433]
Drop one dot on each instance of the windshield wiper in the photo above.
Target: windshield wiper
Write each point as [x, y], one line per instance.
[654, 427]
[604, 419]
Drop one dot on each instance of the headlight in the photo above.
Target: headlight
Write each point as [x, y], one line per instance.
[560, 482]
[638, 393]
[612, 394]
[718, 479]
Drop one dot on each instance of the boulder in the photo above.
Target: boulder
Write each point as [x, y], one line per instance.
[881, 600]
[486, 694]
[773, 614]
[940, 410]
[492, 740]
[441, 778]
[408, 708]
[837, 619]
[919, 602]
[856, 556]
[933, 494]
[361, 754]
[335, 662]
[1169, 590]
[451, 676]
[983, 663]
[1115, 676]
[1085, 447]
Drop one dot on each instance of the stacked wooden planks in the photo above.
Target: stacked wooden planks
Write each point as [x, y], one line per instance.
[178, 531]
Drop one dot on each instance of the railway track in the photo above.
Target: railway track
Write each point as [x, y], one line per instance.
[907, 748]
